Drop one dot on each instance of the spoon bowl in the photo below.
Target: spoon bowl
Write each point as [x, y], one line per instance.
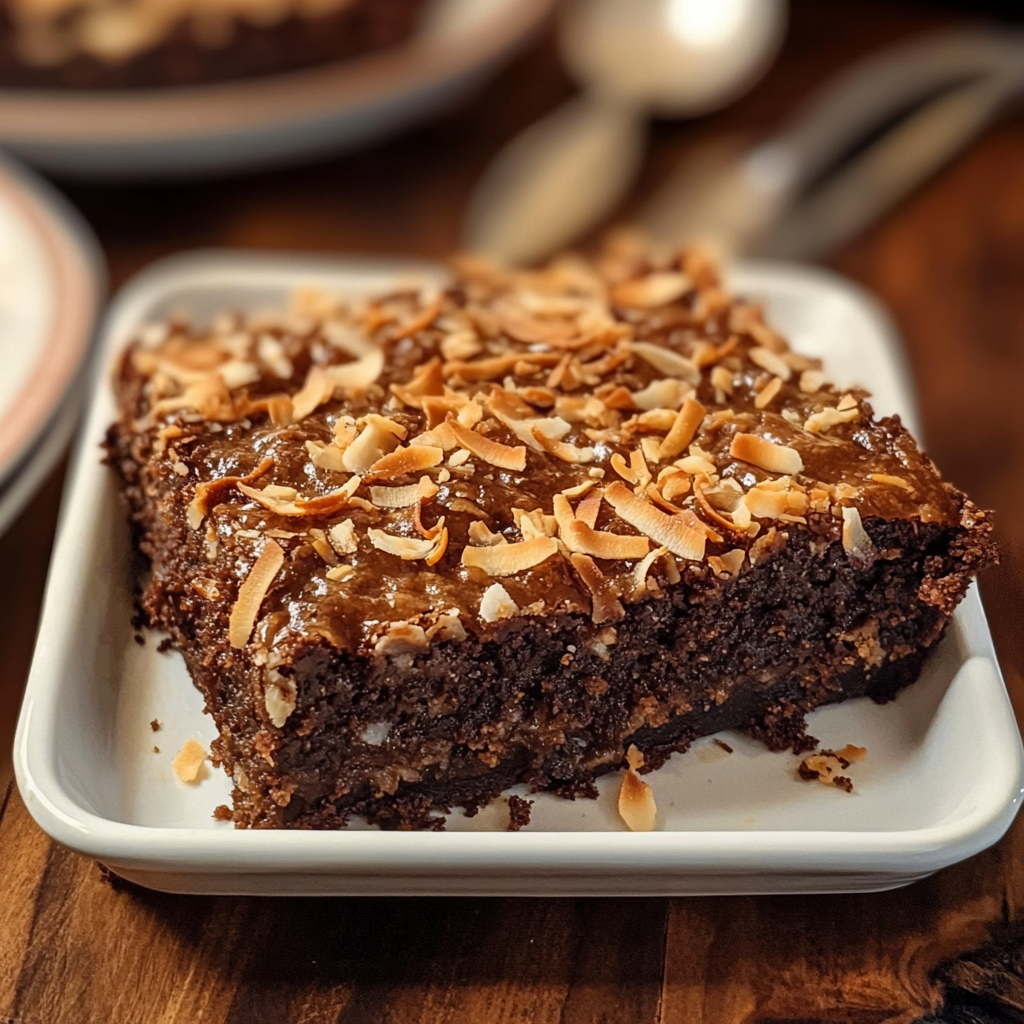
[673, 58]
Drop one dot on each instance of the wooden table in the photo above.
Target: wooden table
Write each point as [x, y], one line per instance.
[950, 265]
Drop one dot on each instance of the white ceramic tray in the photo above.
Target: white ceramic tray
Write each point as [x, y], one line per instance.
[274, 119]
[941, 781]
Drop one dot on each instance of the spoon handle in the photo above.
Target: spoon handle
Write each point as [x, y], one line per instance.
[865, 140]
[564, 174]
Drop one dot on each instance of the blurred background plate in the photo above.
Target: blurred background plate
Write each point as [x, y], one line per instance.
[50, 289]
[198, 130]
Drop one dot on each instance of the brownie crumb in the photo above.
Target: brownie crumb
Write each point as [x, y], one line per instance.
[725, 746]
[155, 725]
[519, 811]
[165, 645]
[825, 765]
[222, 813]
[140, 639]
[156, 750]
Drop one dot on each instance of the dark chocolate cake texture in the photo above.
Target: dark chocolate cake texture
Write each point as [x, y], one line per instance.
[421, 548]
[144, 43]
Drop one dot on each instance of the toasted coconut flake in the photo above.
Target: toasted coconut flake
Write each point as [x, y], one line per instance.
[495, 367]
[771, 361]
[811, 381]
[464, 505]
[189, 761]
[660, 420]
[768, 393]
[700, 485]
[697, 465]
[892, 481]
[684, 429]
[619, 464]
[427, 380]
[318, 541]
[562, 449]
[317, 388]
[650, 448]
[343, 537]
[670, 531]
[522, 422]
[563, 515]
[481, 536]
[470, 414]
[651, 492]
[822, 422]
[409, 549]
[588, 510]
[437, 407]
[856, 541]
[644, 567]
[581, 538]
[403, 497]
[580, 489]
[340, 572]
[421, 321]
[378, 437]
[496, 454]
[413, 459]
[636, 798]
[766, 503]
[535, 523]
[440, 436]
[460, 345]
[651, 291]
[667, 393]
[675, 485]
[440, 543]
[638, 464]
[326, 456]
[280, 506]
[252, 592]
[728, 564]
[666, 361]
[766, 455]
[721, 380]
[605, 604]
[846, 403]
[497, 604]
[508, 559]
[206, 492]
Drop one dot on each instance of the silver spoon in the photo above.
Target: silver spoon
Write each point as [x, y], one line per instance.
[635, 58]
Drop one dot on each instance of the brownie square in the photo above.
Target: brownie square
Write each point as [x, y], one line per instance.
[420, 548]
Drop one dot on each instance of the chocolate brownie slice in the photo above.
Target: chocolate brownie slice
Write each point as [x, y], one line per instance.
[420, 548]
[145, 43]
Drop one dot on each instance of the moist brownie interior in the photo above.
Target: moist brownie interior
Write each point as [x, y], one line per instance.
[418, 548]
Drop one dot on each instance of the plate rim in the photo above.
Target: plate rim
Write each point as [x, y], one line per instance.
[77, 274]
[462, 856]
[33, 117]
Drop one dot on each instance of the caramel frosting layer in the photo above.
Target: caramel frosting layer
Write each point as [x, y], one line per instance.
[436, 463]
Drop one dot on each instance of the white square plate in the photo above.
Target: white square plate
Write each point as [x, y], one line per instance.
[941, 781]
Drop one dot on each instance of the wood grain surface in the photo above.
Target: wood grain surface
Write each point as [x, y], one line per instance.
[949, 263]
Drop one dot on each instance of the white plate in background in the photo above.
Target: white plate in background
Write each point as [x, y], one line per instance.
[272, 119]
[50, 289]
[941, 781]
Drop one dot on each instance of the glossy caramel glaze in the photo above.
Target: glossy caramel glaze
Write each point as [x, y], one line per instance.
[578, 324]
